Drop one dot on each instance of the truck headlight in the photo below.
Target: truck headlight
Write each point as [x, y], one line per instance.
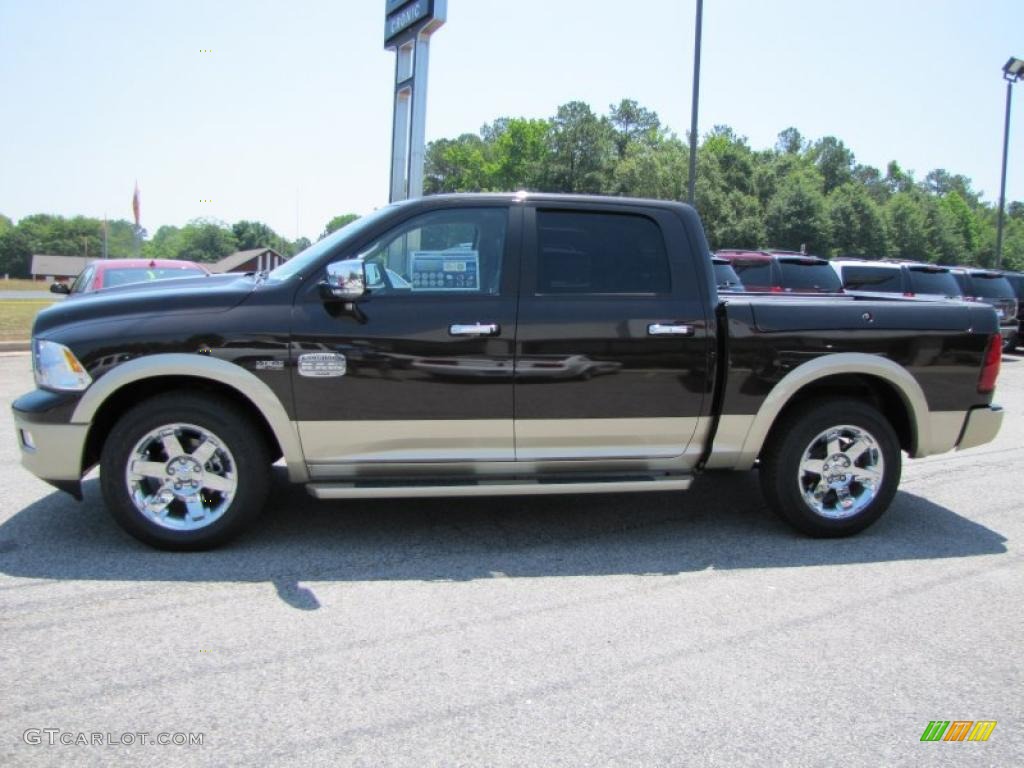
[56, 367]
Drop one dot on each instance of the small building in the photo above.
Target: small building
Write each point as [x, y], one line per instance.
[255, 260]
[50, 268]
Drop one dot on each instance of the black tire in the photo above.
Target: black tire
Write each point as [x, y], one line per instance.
[791, 491]
[241, 457]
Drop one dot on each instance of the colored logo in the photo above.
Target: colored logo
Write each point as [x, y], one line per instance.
[958, 730]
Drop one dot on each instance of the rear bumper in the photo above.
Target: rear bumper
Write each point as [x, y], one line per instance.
[981, 426]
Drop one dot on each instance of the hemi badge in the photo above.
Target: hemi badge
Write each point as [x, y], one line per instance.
[322, 364]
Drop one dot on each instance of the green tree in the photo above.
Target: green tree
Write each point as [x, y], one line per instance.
[5, 224]
[965, 225]
[908, 226]
[166, 243]
[633, 124]
[790, 142]
[206, 240]
[517, 155]
[256, 234]
[796, 215]
[871, 179]
[941, 182]
[456, 165]
[898, 180]
[582, 146]
[855, 223]
[834, 160]
[15, 253]
[337, 223]
[657, 171]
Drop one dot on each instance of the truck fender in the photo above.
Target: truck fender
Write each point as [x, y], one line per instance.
[201, 367]
[744, 436]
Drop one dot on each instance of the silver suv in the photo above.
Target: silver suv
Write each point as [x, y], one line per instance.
[897, 279]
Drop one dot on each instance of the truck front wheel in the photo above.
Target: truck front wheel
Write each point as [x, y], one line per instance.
[184, 472]
[831, 467]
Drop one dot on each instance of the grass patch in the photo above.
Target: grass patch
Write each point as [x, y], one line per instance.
[16, 316]
[24, 285]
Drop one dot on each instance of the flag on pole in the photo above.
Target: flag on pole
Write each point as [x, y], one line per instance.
[135, 203]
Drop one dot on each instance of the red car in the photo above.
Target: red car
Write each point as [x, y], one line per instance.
[783, 272]
[107, 273]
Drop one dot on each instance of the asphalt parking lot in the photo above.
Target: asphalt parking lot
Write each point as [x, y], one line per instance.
[668, 629]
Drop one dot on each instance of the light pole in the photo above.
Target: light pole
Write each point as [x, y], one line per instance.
[693, 109]
[1013, 71]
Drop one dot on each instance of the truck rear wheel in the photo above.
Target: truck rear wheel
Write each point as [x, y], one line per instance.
[832, 467]
[184, 472]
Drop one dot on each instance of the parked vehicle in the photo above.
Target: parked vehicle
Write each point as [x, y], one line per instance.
[782, 272]
[990, 287]
[896, 279]
[726, 278]
[109, 273]
[629, 373]
[1016, 280]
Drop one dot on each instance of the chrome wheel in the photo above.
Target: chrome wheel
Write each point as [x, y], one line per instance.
[181, 477]
[841, 471]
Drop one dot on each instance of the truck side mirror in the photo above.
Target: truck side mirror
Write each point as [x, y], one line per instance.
[346, 280]
[59, 288]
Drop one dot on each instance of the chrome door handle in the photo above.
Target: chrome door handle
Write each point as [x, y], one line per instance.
[669, 329]
[473, 329]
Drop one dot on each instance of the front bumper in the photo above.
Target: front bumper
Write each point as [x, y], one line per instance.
[981, 426]
[53, 452]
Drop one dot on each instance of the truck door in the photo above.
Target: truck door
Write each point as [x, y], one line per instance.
[422, 371]
[612, 344]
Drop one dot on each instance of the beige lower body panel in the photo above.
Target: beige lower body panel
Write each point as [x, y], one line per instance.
[547, 439]
[733, 450]
[488, 448]
[981, 427]
[58, 450]
[945, 428]
[363, 442]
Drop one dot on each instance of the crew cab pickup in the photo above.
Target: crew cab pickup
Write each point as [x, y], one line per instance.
[470, 345]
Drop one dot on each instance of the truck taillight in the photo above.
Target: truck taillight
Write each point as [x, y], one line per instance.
[990, 368]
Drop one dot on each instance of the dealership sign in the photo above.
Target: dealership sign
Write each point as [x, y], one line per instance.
[405, 17]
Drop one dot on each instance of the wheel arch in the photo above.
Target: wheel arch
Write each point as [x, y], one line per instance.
[886, 384]
[133, 381]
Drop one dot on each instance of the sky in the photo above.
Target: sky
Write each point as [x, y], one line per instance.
[280, 111]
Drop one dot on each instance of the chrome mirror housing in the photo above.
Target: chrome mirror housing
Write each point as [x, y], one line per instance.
[346, 280]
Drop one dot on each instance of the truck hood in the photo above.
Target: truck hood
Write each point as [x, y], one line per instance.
[217, 293]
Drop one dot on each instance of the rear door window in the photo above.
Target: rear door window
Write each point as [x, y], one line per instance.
[939, 282]
[993, 287]
[873, 278]
[726, 277]
[600, 253]
[754, 273]
[809, 275]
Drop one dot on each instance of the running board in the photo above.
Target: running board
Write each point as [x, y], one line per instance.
[497, 488]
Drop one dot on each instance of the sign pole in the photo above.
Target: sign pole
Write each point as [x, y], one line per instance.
[408, 25]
